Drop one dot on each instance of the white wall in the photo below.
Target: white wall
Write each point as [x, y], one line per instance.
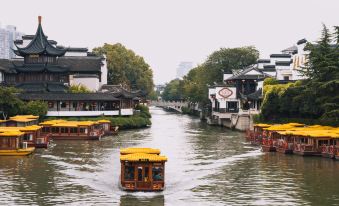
[76, 54]
[81, 113]
[226, 76]
[91, 83]
[104, 72]
[231, 91]
[1, 77]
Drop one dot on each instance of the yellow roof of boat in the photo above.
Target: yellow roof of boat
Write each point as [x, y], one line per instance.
[104, 121]
[51, 122]
[25, 117]
[143, 157]
[133, 150]
[27, 128]
[312, 133]
[11, 133]
[262, 125]
[72, 123]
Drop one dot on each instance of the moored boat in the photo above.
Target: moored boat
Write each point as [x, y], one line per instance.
[32, 135]
[72, 130]
[142, 169]
[12, 144]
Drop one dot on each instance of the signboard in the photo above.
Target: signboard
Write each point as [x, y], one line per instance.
[225, 92]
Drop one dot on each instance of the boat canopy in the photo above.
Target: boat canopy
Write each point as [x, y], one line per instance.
[143, 157]
[11, 134]
[139, 150]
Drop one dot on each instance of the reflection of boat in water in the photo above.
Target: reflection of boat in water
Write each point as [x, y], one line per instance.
[11, 144]
[142, 169]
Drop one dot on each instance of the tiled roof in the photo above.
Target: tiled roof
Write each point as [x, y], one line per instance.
[40, 45]
[263, 61]
[280, 56]
[42, 87]
[81, 64]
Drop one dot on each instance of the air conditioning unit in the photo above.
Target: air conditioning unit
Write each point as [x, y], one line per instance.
[24, 145]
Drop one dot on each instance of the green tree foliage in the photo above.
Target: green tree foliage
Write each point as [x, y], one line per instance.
[194, 86]
[126, 68]
[314, 98]
[10, 104]
[79, 88]
[38, 108]
[226, 60]
[270, 81]
[173, 91]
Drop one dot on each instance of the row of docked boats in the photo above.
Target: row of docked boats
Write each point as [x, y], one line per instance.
[295, 138]
[21, 134]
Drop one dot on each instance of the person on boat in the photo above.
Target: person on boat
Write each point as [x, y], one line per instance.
[157, 176]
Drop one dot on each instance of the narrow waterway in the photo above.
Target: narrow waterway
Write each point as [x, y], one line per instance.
[207, 166]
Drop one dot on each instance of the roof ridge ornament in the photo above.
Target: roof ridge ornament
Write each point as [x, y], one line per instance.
[39, 19]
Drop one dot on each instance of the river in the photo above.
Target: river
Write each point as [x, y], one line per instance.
[207, 166]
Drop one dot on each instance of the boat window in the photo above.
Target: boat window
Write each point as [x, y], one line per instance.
[28, 137]
[82, 130]
[55, 129]
[64, 130]
[139, 173]
[157, 173]
[45, 129]
[129, 173]
[146, 176]
[73, 130]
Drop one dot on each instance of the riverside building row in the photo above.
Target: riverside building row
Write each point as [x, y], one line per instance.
[43, 70]
[241, 94]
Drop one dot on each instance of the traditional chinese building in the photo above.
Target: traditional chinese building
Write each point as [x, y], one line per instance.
[45, 71]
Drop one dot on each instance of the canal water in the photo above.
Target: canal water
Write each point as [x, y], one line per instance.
[207, 166]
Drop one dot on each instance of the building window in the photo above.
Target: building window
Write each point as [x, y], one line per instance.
[75, 104]
[63, 104]
[50, 105]
[286, 78]
[129, 173]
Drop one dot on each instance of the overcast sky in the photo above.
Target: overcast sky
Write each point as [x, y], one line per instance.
[168, 32]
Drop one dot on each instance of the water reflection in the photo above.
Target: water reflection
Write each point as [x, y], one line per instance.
[131, 200]
[207, 166]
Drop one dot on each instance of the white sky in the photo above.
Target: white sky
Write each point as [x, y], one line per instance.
[168, 32]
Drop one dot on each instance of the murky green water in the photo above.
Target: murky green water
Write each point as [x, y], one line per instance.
[207, 166]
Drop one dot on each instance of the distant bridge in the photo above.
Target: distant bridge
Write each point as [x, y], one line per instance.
[170, 105]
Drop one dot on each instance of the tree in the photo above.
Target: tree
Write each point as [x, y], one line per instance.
[173, 91]
[79, 88]
[226, 60]
[126, 68]
[211, 72]
[10, 104]
[38, 108]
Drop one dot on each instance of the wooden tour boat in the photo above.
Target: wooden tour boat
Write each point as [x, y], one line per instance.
[32, 135]
[256, 135]
[142, 169]
[12, 144]
[72, 130]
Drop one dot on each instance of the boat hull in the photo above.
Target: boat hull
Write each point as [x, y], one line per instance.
[284, 151]
[307, 153]
[43, 145]
[266, 148]
[18, 152]
[75, 137]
